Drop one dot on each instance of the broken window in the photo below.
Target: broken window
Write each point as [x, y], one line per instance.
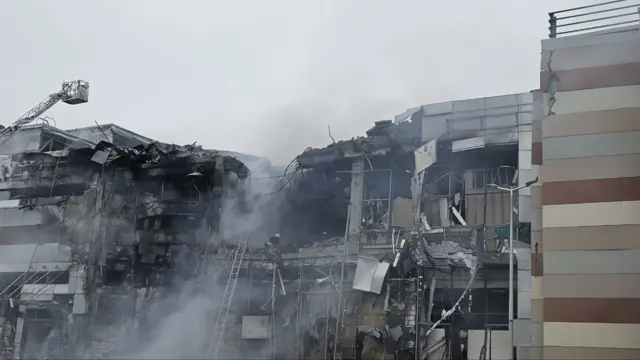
[376, 195]
[317, 205]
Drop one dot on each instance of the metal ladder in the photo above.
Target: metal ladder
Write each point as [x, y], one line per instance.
[227, 297]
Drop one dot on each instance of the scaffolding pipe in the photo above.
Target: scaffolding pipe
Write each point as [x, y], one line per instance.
[418, 312]
[134, 323]
[344, 259]
[481, 258]
[299, 309]
[432, 289]
[326, 319]
[273, 314]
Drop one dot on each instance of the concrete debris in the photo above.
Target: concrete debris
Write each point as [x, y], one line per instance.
[370, 331]
[398, 305]
[456, 213]
[445, 249]
[370, 274]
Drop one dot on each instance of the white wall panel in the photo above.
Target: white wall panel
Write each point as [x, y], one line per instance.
[592, 262]
[608, 36]
[596, 99]
[591, 145]
[593, 214]
[594, 55]
[621, 336]
[592, 286]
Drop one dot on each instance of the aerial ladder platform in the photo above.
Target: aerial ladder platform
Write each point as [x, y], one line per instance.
[217, 335]
[72, 92]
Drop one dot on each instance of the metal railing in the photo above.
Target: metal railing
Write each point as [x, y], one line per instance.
[602, 16]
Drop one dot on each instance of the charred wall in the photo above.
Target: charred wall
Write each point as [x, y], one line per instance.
[112, 230]
[159, 218]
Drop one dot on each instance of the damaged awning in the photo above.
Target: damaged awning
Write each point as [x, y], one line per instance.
[503, 138]
[370, 275]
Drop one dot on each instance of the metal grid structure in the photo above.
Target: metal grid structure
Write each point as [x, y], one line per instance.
[602, 16]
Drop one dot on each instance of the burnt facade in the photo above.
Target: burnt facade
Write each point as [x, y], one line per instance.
[393, 245]
[390, 246]
[94, 234]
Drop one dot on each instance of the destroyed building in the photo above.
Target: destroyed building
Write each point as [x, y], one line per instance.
[95, 230]
[389, 246]
[393, 245]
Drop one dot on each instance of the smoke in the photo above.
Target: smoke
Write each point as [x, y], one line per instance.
[180, 334]
[253, 206]
[184, 322]
[184, 318]
[292, 129]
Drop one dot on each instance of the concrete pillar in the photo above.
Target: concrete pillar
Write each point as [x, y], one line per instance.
[355, 205]
[18, 338]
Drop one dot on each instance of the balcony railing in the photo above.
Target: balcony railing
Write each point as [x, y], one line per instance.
[602, 16]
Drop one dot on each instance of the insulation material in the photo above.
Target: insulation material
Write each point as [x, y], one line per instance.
[370, 275]
[255, 327]
[458, 216]
[497, 208]
[416, 194]
[443, 206]
[402, 213]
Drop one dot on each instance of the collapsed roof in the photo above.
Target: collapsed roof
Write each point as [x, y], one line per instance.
[158, 154]
[112, 144]
[383, 137]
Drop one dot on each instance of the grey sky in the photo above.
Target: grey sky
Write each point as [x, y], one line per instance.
[264, 77]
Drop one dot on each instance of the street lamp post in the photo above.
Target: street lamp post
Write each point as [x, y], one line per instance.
[511, 190]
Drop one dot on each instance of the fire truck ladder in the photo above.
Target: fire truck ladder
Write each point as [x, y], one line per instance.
[227, 297]
[73, 92]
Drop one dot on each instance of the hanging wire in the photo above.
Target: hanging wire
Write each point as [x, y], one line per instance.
[23, 283]
[455, 306]
[473, 272]
[24, 286]
[289, 173]
[48, 283]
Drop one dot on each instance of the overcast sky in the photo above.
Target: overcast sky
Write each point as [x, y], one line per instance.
[264, 77]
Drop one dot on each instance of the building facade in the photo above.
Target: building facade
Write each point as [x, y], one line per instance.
[392, 244]
[94, 234]
[587, 149]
